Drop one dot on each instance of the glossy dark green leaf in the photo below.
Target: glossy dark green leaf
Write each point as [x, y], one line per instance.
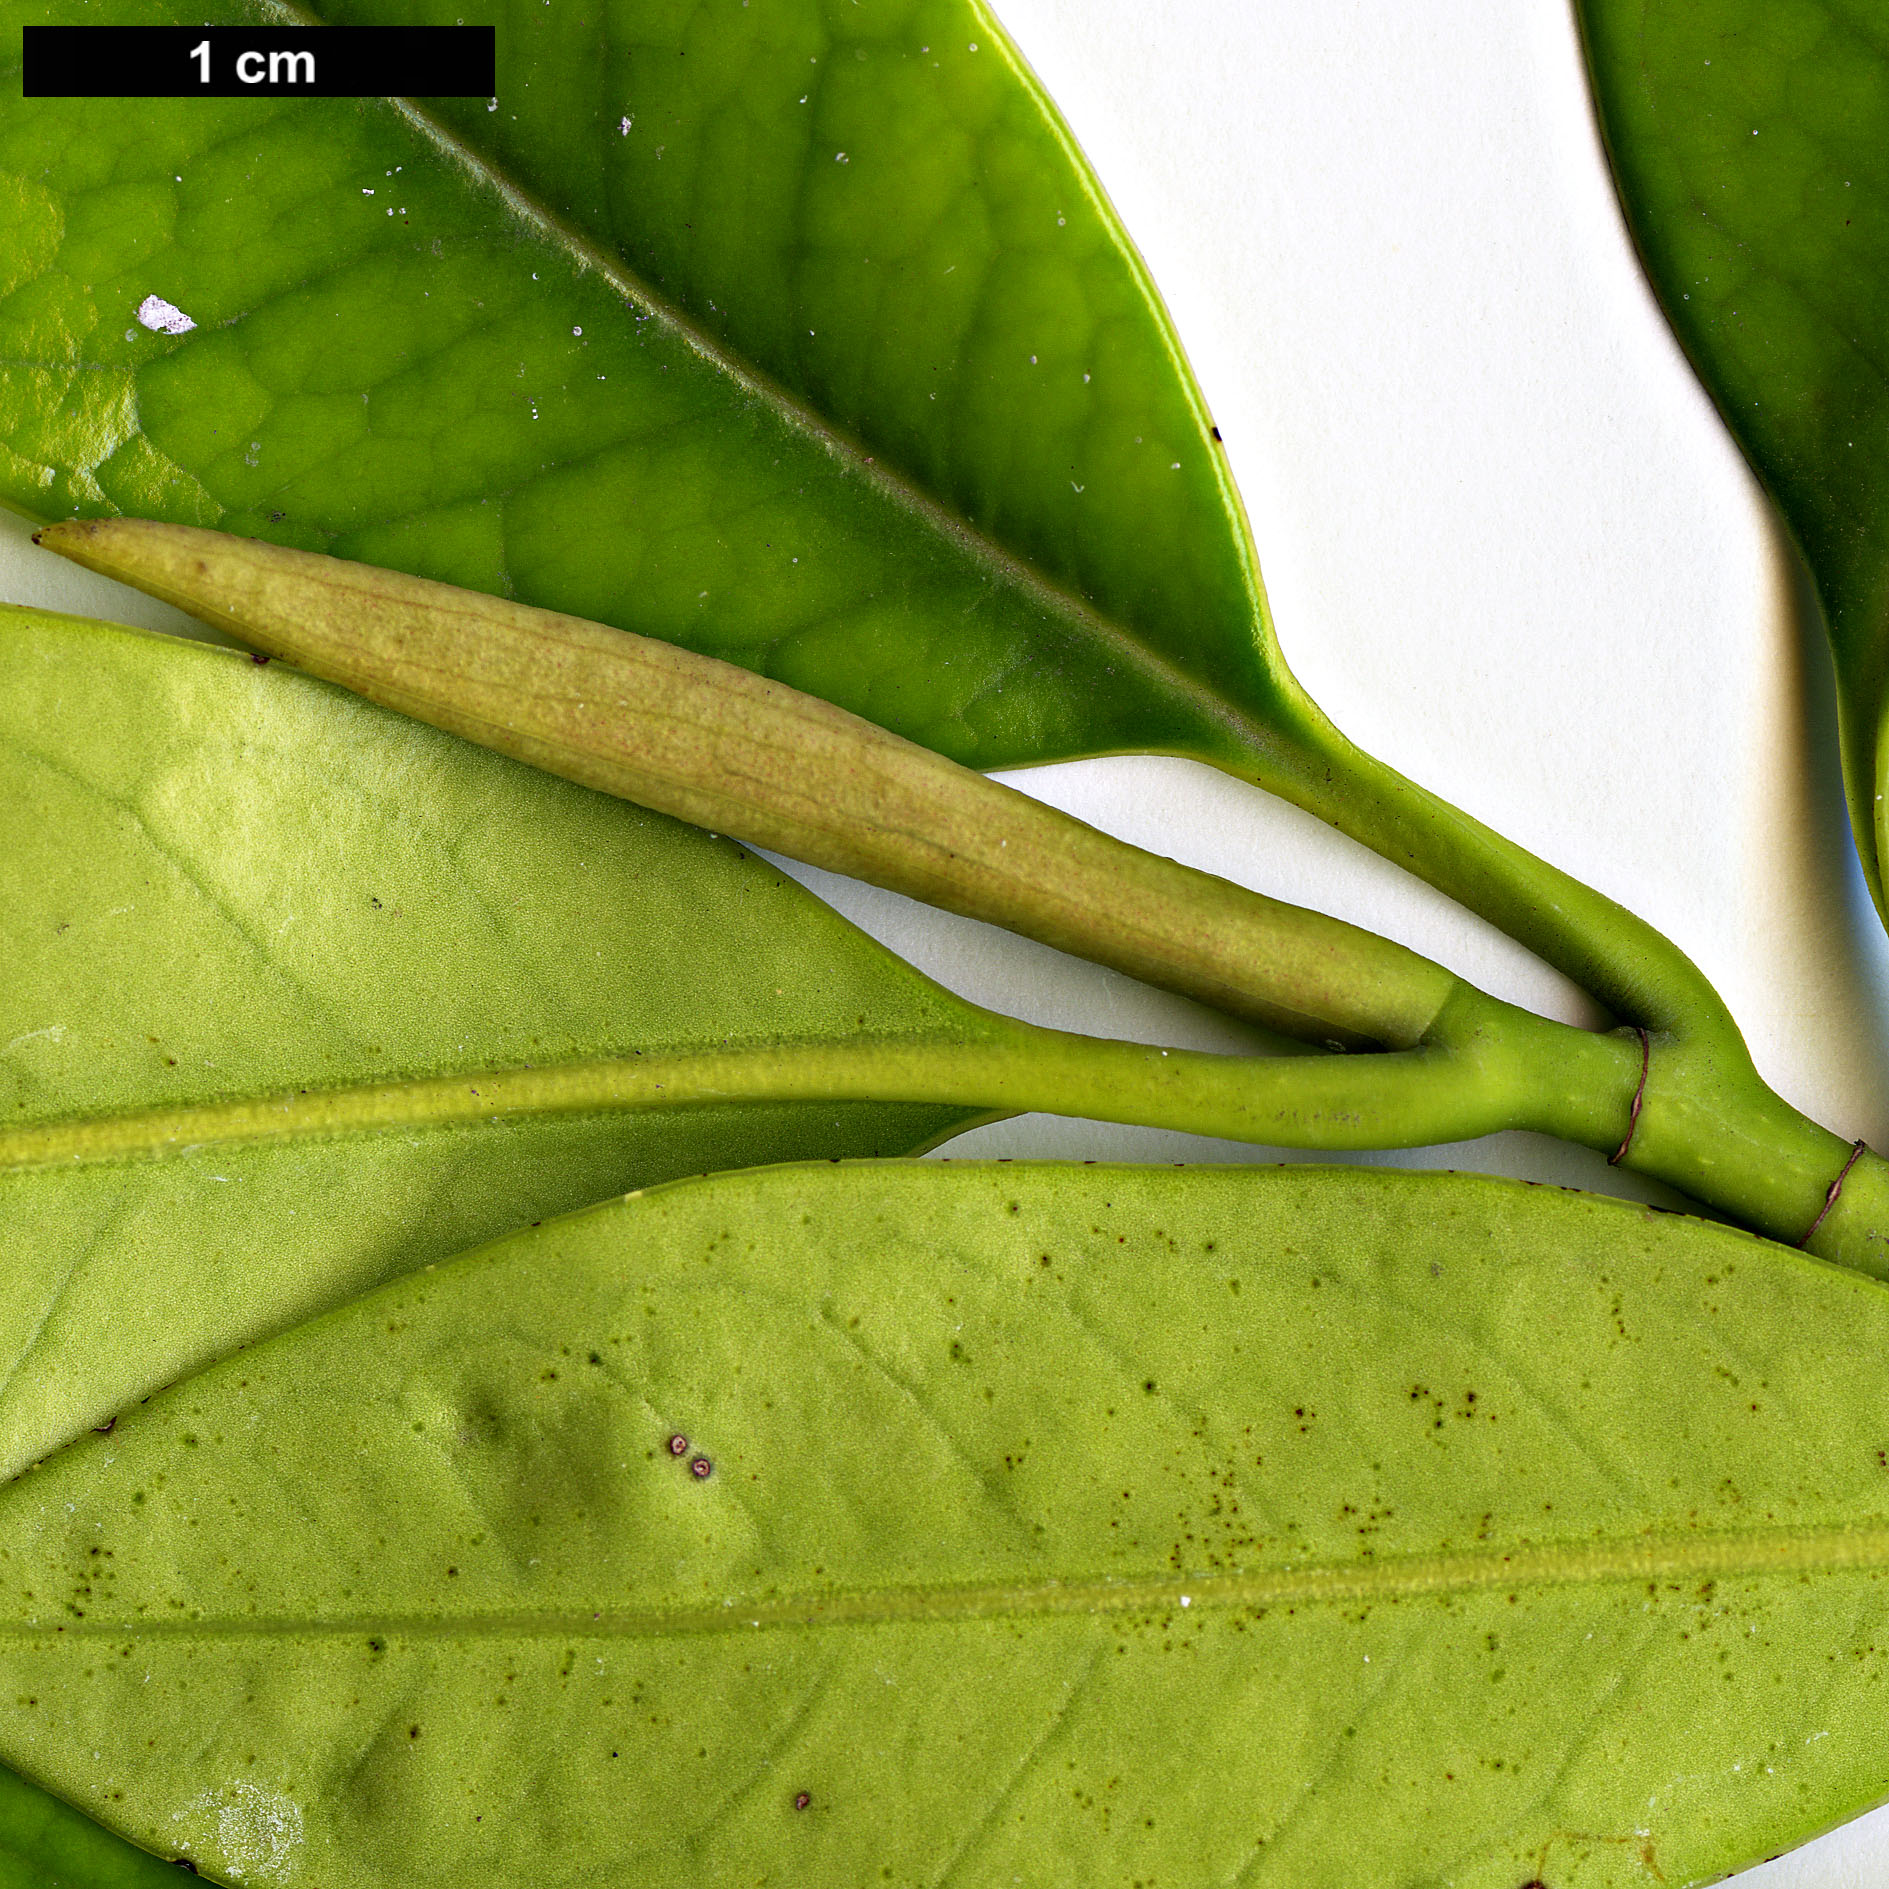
[46, 1844]
[797, 333]
[222, 882]
[1750, 140]
[827, 1526]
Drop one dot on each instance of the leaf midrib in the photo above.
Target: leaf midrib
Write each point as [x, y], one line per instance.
[839, 445]
[642, 1079]
[1656, 1560]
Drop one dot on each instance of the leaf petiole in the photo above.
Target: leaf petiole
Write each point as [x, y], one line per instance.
[1478, 1083]
[1614, 955]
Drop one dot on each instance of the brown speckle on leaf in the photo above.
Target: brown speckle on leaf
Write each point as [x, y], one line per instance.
[802, 1799]
[678, 1445]
[105, 1428]
[258, 658]
[701, 1469]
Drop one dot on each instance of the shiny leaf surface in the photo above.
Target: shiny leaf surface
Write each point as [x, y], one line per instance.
[799, 334]
[224, 882]
[837, 1525]
[1751, 145]
[45, 1844]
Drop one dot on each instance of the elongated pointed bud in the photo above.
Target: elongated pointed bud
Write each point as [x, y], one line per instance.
[729, 750]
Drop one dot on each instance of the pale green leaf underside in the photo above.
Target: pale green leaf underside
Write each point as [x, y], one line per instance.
[221, 880]
[1280, 1529]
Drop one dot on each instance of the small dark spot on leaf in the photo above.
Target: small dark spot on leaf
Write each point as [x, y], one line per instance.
[262, 662]
[701, 1469]
[184, 1862]
[413, 1731]
[1216, 432]
[678, 1444]
[1148, 1386]
[802, 1799]
[111, 1423]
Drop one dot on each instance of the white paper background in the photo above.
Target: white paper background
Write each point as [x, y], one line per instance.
[1509, 548]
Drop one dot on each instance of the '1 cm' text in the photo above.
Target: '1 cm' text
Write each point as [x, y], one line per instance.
[279, 68]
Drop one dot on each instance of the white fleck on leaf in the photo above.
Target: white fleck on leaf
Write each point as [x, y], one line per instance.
[252, 1830]
[52, 1033]
[163, 317]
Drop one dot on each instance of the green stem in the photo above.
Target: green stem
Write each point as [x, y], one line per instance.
[1708, 1124]
[1638, 974]
[1715, 1131]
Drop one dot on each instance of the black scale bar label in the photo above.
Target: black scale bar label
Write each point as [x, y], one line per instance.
[260, 62]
